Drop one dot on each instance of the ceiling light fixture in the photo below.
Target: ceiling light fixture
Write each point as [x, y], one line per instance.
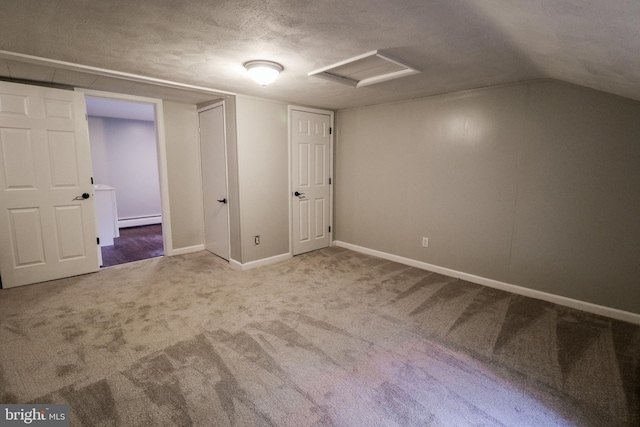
[263, 72]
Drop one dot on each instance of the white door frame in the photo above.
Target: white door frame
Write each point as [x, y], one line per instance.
[226, 163]
[162, 157]
[317, 111]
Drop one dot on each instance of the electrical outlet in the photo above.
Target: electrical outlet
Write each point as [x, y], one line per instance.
[425, 242]
[256, 240]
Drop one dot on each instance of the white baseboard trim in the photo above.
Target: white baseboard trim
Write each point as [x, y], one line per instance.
[613, 313]
[259, 263]
[137, 222]
[187, 250]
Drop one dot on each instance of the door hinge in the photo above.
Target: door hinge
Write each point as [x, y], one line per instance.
[97, 240]
[329, 181]
[92, 180]
[330, 130]
[329, 229]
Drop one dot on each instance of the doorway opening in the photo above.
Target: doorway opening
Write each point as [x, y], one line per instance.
[124, 154]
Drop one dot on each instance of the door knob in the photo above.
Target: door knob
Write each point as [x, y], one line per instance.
[223, 201]
[83, 197]
[299, 194]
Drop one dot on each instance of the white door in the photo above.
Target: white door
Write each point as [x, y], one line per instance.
[311, 175]
[47, 214]
[214, 180]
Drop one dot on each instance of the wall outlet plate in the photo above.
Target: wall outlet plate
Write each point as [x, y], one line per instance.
[425, 242]
[256, 240]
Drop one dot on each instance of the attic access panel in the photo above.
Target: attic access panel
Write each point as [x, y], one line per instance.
[364, 70]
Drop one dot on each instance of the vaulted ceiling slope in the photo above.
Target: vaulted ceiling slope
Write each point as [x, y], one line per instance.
[456, 44]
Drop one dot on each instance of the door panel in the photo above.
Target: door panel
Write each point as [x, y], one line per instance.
[16, 144]
[26, 236]
[311, 151]
[62, 158]
[14, 105]
[57, 108]
[321, 229]
[303, 165]
[305, 221]
[320, 157]
[214, 181]
[45, 166]
[70, 237]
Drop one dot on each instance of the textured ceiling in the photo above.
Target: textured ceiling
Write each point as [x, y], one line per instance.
[456, 44]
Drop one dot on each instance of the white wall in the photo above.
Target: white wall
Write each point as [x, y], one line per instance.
[534, 185]
[124, 156]
[263, 173]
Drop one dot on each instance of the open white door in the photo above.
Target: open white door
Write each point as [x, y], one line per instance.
[47, 214]
[214, 180]
[310, 179]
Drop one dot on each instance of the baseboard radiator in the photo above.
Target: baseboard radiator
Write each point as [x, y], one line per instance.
[138, 221]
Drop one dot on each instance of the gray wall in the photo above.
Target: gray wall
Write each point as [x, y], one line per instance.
[535, 185]
[257, 156]
[183, 171]
[263, 174]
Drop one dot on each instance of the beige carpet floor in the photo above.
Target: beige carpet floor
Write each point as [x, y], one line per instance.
[329, 338]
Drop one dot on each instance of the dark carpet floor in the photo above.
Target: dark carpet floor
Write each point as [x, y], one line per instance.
[134, 244]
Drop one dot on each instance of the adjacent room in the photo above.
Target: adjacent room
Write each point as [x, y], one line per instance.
[422, 213]
[124, 157]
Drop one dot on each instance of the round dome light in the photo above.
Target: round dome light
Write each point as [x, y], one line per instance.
[263, 72]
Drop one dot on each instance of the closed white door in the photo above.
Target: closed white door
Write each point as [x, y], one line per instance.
[214, 181]
[47, 213]
[310, 174]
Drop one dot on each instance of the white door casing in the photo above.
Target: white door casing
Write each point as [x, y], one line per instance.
[214, 180]
[311, 154]
[48, 229]
[167, 235]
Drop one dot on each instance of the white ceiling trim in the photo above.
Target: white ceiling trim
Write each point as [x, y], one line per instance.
[4, 54]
